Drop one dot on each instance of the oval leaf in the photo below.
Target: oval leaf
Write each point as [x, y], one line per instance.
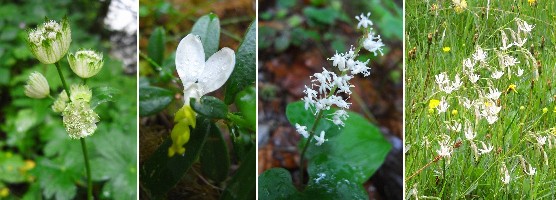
[153, 99]
[247, 105]
[155, 48]
[210, 107]
[215, 161]
[244, 71]
[242, 185]
[208, 28]
[102, 95]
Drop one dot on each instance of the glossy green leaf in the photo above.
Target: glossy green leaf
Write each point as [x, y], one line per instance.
[210, 107]
[242, 141]
[155, 48]
[276, 184]
[153, 99]
[160, 173]
[102, 95]
[242, 185]
[339, 167]
[215, 160]
[321, 15]
[246, 102]
[245, 70]
[208, 28]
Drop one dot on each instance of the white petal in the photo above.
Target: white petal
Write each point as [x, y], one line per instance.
[217, 70]
[190, 59]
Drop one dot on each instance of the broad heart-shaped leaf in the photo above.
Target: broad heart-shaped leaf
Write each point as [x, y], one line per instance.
[102, 95]
[276, 184]
[153, 99]
[215, 160]
[210, 107]
[155, 48]
[246, 102]
[160, 173]
[338, 168]
[245, 69]
[208, 28]
[242, 185]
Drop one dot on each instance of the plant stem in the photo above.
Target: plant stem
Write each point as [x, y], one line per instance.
[83, 145]
[312, 133]
[62, 78]
[88, 169]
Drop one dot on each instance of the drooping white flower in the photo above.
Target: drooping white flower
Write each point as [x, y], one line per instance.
[468, 65]
[364, 21]
[37, 86]
[532, 171]
[485, 149]
[198, 76]
[524, 26]
[442, 106]
[320, 139]
[85, 63]
[302, 130]
[50, 41]
[505, 174]
[505, 45]
[497, 74]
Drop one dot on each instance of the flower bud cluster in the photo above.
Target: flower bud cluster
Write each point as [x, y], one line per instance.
[50, 41]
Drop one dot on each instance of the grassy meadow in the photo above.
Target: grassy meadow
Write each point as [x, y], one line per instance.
[489, 138]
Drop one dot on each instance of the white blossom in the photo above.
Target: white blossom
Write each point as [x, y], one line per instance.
[485, 149]
[37, 86]
[497, 74]
[505, 174]
[320, 139]
[531, 170]
[364, 21]
[493, 94]
[373, 43]
[442, 106]
[302, 130]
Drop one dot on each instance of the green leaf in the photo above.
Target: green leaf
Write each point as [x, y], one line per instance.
[275, 184]
[153, 99]
[242, 185]
[208, 28]
[160, 173]
[57, 178]
[242, 141]
[102, 95]
[9, 167]
[215, 160]
[296, 114]
[155, 48]
[210, 107]
[245, 70]
[321, 15]
[246, 102]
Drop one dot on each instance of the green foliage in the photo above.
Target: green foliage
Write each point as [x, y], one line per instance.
[242, 185]
[339, 167]
[245, 69]
[208, 28]
[246, 102]
[155, 49]
[215, 160]
[153, 99]
[210, 107]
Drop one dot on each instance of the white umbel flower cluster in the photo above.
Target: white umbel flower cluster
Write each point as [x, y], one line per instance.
[50, 41]
[78, 117]
[328, 88]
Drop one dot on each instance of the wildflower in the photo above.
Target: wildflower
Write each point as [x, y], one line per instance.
[474, 78]
[505, 45]
[524, 26]
[485, 149]
[442, 106]
[364, 20]
[373, 43]
[480, 55]
[493, 94]
[522, 107]
[544, 110]
[497, 74]
[198, 77]
[320, 139]
[532, 2]
[446, 49]
[468, 65]
[456, 127]
[339, 116]
[50, 41]
[454, 112]
[79, 119]
[519, 72]
[433, 103]
[4, 192]
[511, 87]
[80, 93]
[37, 86]
[459, 5]
[302, 130]
[60, 103]
[506, 175]
[445, 149]
[469, 133]
[541, 140]
[531, 171]
[85, 63]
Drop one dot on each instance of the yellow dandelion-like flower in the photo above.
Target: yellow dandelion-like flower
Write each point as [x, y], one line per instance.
[511, 87]
[446, 49]
[522, 107]
[532, 2]
[459, 5]
[544, 110]
[454, 112]
[433, 103]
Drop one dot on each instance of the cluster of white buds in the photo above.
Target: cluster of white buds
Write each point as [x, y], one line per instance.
[328, 88]
[85, 63]
[37, 86]
[50, 41]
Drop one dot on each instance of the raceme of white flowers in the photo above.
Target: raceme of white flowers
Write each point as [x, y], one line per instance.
[198, 77]
[327, 87]
[49, 42]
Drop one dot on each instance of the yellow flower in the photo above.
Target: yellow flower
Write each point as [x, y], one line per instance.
[544, 110]
[522, 108]
[554, 109]
[185, 117]
[454, 112]
[532, 2]
[511, 87]
[446, 49]
[433, 103]
[459, 5]
[4, 192]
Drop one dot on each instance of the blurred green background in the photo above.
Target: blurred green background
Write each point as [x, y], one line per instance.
[37, 158]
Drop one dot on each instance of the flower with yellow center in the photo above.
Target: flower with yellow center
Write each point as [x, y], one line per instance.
[446, 49]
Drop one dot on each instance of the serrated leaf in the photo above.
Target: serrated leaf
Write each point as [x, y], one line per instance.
[215, 160]
[57, 179]
[242, 185]
[210, 107]
[155, 48]
[153, 99]
[102, 95]
[208, 28]
[245, 69]
[160, 173]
